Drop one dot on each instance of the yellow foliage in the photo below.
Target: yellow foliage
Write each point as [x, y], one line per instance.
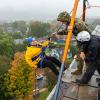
[20, 78]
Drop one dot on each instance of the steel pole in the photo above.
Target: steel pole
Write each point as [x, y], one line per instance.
[84, 10]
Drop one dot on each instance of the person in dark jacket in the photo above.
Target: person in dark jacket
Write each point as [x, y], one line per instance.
[91, 54]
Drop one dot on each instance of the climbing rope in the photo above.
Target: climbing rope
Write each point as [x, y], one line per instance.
[35, 83]
[89, 7]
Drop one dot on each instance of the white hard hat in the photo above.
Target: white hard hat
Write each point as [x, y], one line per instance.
[83, 36]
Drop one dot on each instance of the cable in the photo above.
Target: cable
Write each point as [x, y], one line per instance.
[94, 6]
[35, 83]
[59, 28]
[88, 4]
[89, 7]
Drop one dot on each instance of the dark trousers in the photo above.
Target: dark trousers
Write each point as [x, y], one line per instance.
[50, 62]
[90, 71]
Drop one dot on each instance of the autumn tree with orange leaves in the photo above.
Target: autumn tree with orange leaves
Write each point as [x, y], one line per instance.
[18, 82]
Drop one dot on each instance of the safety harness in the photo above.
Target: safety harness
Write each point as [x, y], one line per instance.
[41, 55]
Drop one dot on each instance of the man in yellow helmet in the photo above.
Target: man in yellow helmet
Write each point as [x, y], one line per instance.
[36, 58]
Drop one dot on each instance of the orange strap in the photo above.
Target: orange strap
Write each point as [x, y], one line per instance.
[68, 39]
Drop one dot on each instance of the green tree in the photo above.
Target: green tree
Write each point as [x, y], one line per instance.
[6, 45]
[2, 87]
[4, 64]
[21, 47]
[19, 25]
[1, 29]
[39, 29]
[19, 80]
[17, 35]
[15, 25]
[51, 78]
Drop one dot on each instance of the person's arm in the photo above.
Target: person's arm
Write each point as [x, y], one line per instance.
[45, 43]
[28, 57]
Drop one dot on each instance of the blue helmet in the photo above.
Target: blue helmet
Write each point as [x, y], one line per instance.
[30, 39]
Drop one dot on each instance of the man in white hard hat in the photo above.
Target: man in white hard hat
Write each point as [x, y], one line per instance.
[90, 53]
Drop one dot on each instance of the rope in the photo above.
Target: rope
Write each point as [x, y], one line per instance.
[59, 28]
[95, 6]
[89, 7]
[35, 83]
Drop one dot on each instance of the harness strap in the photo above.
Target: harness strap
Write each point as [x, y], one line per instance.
[41, 55]
[41, 61]
[34, 58]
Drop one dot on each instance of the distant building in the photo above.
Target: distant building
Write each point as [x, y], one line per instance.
[63, 37]
[7, 27]
[18, 41]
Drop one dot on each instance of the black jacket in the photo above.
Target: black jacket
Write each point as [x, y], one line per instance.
[92, 49]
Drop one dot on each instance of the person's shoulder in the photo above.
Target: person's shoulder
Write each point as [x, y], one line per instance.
[95, 38]
[95, 41]
[79, 21]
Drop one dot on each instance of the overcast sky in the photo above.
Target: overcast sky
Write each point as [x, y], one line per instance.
[41, 9]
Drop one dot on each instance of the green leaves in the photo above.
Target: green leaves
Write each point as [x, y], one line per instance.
[4, 64]
[6, 45]
[39, 29]
[19, 79]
